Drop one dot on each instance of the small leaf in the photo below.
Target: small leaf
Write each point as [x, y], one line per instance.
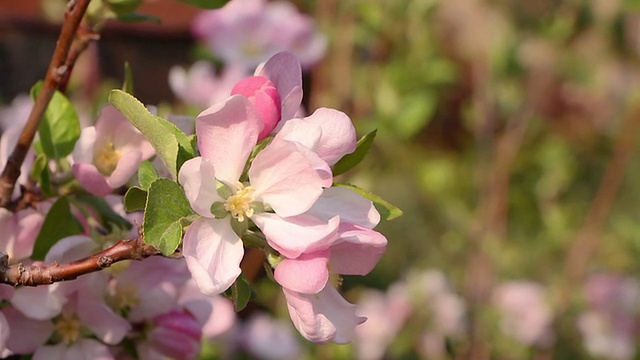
[166, 206]
[137, 17]
[172, 145]
[124, 7]
[206, 4]
[146, 174]
[135, 199]
[58, 224]
[386, 209]
[350, 160]
[60, 128]
[41, 173]
[104, 209]
[241, 293]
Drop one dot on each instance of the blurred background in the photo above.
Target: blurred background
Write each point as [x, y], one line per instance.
[507, 133]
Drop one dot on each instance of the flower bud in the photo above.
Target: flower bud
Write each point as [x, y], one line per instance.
[176, 335]
[264, 96]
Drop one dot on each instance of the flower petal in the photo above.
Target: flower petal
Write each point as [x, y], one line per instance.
[126, 167]
[91, 179]
[83, 149]
[197, 177]
[25, 334]
[352, 207]
[338, 134]
[357, 251]
[307, 274]
[324, 316]
[295, 235]
[284, 179]
[213, 253]
[284, 70]
[227, 133]
[101, 320]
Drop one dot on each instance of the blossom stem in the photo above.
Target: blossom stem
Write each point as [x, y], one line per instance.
[56, 74]
[34, 275]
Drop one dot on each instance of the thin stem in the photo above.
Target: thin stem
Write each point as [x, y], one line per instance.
[34, 275]
[56, 72]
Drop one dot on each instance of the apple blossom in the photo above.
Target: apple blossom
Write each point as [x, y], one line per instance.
[108, 154]
[280, 178]
[261, 331]
[200, 85]
[249, 31]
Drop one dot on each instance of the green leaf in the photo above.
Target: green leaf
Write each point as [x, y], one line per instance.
[104, 209]
[166, 206]
[58, 224]
[172, 145]
[60, 128]
[135, 199]
[240, 293]
[206, 4]
[124, 7]
[40, 172]
[137, 17]
[146, 174]
[127, 84]
[386, 209]
[350, 160]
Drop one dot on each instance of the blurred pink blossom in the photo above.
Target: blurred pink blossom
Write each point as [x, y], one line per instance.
[525, 314]
[247, 32]
[108, 154]
[262, 331]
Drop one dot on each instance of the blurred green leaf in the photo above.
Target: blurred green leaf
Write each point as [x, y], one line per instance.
[127, 84]
[109, 216]
[206, 4]
[166, 206]
[58, 224]
[60, 128]
[135, 199]
[240, 293]
[350, 160]
[40, 172]
[124, 7]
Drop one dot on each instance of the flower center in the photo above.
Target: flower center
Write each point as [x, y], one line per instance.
[239, 204]
[106, 159]
[68, 328]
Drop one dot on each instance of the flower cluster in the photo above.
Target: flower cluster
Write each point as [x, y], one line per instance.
[263, 172]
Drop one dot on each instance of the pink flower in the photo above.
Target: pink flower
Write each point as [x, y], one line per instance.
[324, 316]
[525, 315]
[175, 335]
[201, 86]
[12, 120]
[281, 178]
[18, 232]
[261, 331]
[249, 31]
[108, 154]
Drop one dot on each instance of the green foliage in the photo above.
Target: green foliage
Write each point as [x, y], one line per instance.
[135, 199]
[58, 224]
[146, 175]
[109, 217]
[124, 7]
[206, 4]
[349, 161]
[172, 145]
[60, 128]
[164, 214]
[240, 293]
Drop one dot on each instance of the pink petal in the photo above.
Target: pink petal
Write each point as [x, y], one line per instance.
[213, 253]
[83, 149]
[338, 134]
[284, 179]
[264, 96]
[25, 334]
[227, 133]
[83, 349]
[127, 166]
[305, 132]
[352, 207]
[101, 320]
[357, 251]
[91, 179]
[324, 316]
[29, 223]
[197, 177]
[307, 274]
[293, 236]
[39, 303]
[284, 70]
[4, 332]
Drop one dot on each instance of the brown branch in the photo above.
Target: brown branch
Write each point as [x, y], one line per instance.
[34, 275]
[585, 243]
[55, 74]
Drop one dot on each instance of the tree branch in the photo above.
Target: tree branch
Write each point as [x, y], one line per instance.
[56, 73]
[34, 275]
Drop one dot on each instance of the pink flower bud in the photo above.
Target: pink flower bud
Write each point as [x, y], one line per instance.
[264, 96]
[176, 335]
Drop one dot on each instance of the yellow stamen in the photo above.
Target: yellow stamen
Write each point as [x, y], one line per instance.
[239, 204]
[68, 328]
[106, 159]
